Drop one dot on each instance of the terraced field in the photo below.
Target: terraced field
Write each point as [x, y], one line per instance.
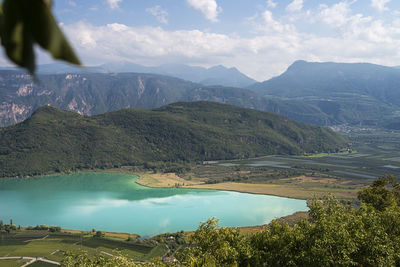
[53, 246]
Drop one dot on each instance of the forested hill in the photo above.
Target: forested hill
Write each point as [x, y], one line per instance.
[55, 140]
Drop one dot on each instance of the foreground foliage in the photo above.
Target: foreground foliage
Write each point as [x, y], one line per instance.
[335, 234]
[20, 31]
[84, 259]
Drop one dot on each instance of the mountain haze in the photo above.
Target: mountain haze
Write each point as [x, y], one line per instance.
[216, 75]
[55, 140]
[347, 92]
[96, 93]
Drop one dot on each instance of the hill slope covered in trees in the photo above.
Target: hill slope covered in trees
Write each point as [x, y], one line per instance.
[55, 140]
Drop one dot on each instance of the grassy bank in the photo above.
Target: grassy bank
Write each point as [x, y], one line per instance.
[300, 187]
[160, 180]
[293, 191]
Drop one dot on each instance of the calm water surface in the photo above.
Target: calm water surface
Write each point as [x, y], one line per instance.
[114, 202]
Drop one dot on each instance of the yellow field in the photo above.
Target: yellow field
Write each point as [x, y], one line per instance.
[301, 187]
[291, 191]
[162, 180]
[112, 235]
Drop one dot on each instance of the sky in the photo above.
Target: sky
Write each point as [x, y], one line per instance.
[261, 38]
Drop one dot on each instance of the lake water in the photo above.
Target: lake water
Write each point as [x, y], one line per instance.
[114, 202]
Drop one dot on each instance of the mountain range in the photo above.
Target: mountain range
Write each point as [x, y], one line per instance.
[53, 140]
[216, 75]
[96, 93]
[317, 93]
[354, 93]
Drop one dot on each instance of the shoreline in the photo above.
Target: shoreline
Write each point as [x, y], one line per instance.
[208, 188]
[287, 191]
[171, 180]
[197, 187]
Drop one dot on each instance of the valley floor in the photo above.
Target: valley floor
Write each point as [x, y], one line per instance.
[303, 177]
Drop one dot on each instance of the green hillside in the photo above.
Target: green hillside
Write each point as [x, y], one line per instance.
[55, 140]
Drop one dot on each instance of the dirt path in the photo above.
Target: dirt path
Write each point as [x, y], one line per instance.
[36, 239]
[108, 254]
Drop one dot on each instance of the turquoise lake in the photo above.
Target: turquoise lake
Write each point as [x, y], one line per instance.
[114, 202]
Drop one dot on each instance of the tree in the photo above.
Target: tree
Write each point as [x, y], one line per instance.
[382, 193]
[213, 246]
[83, 259]
[99, 234]
[24, 23]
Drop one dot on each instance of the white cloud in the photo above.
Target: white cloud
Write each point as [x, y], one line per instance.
[209, 8]
[153, 46]
[160, 13]
[72, 3]
[113, 4]
[267, 52]
[336, 15]
[296, 5]
[270, 24]
[271, 4]
[380, 4]
[351, 26]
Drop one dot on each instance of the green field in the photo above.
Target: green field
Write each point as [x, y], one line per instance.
[12, 263]
[320, 155]
[53, 246]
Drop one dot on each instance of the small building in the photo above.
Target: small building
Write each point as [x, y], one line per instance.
[169, 259]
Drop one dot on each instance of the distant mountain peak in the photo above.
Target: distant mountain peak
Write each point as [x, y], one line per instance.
[355, 93]
[215, 75]
[299, 62]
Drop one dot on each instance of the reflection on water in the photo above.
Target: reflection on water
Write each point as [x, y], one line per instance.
[113, 202]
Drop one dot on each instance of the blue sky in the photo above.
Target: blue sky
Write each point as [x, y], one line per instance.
[259, 37]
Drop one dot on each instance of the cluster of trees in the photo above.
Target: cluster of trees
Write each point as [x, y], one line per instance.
[335, 234]
[6, 228]
[51, 228]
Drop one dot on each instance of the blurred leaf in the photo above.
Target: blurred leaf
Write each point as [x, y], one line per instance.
[26, 22]
[48, 35]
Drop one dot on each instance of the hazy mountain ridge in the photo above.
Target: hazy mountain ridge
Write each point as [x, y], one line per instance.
[55, 140]
[96, 93]
[216, 75]
[348, 92]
